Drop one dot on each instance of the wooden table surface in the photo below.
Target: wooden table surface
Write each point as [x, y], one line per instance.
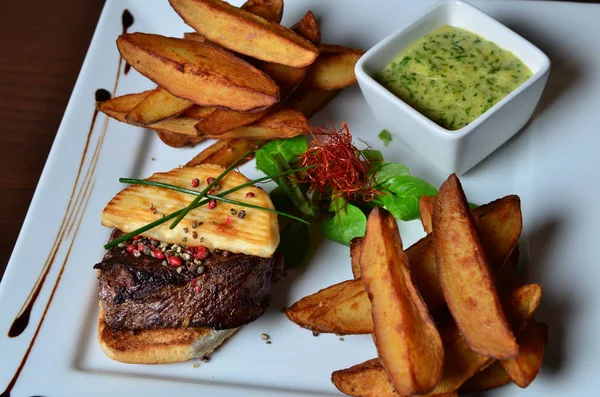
[43, 44]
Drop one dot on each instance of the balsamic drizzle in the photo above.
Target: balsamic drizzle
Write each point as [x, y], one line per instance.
[22, 320]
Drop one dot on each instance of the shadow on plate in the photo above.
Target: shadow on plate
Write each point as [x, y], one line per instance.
[555, 310]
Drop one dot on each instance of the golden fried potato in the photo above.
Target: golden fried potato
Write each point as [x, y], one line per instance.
[271, 10]
[333, 69]
[281, 123]
[466, 277]
[490, 378]
[426, 209]
[300, 311]
[119, 106]
[310, 102]
[199, 72]
[178, 140]
[532, 342]
[355, 248]
[225, 152]
[461, 363]
[246, 33]
[345, 313]
[157, 106]
[407, 340]
[308, 28]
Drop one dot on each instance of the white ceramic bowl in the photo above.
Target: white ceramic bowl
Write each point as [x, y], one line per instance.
[453, 151]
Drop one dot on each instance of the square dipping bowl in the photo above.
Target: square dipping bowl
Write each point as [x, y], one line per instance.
[453, 151]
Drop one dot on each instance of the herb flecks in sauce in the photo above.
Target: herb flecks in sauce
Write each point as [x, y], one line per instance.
[453, 76]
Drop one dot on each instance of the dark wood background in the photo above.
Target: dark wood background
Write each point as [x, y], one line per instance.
[42, 46]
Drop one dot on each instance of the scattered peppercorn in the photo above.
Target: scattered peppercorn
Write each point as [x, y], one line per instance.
[196, 365]
[242, 214]
[264, 336]
[194, 235]
[174, 261]
[233, 211]
[268, 342]
[185, 230]
[195, 182]
[205, 359]
[250, 195]
[315, 333]
[194, 224]
[212, 204]
[341, 339]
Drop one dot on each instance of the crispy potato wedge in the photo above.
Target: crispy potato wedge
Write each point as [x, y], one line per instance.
[300, 311]
[178, 140]
[157, 106]
[344, 313]
[421, 258]
[426, 209]
[355, 248]
[490, 378]
[532, 343]
[271, 10]
[282, 123]
[407, 340]
[225, 152]
[119, 106]
[286, 77]
[466, 277]
[130, 210]
[310, 102]
[461, 363]
[333, 69]
[199, 72]
[246, 33]
[308, 28]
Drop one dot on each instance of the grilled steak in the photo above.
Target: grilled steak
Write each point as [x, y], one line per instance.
[141, 291]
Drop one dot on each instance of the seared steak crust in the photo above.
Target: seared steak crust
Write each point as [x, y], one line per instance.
[144, 293]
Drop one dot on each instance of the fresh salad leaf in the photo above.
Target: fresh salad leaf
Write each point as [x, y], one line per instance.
[385, 136]
[288, 148]
[347, 222]
[400, 195]
[375, 157]
[387, 171]
[294, 244]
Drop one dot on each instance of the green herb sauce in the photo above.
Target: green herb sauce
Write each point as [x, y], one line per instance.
[453, 76]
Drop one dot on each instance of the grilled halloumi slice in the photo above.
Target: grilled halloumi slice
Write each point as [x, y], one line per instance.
[257, 233]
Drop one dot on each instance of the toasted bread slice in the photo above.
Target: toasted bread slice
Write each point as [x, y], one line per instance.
[158, 346]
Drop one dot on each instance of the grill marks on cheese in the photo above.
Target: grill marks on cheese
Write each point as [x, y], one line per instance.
[138, 205]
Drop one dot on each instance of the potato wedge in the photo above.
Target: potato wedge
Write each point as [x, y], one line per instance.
[199, 72]
[308, 28]
[407, 340]
[246, 33]
[426, 209]
[257, 234]
[355, 248]
[461, 363]
[119, 106]
[282, 123]
[271, 10]
[421, 258]
[310, 102]
[300, 311]
[333, 69]
[532, 342]
[286, 77]
[344, 313]
[178, 140]
[466, 277]
[490, 378]
[225, 152]
[157, 106]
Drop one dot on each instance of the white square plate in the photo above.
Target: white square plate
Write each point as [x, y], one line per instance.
[552, 164]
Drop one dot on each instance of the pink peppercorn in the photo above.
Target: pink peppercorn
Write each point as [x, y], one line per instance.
[141, 247]
[202, 252]
[197, 288]
[210, 180]
[130, 248]
[195, 182]
[250, 195]
[212, 204]
[159, 254]
[174, 261]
